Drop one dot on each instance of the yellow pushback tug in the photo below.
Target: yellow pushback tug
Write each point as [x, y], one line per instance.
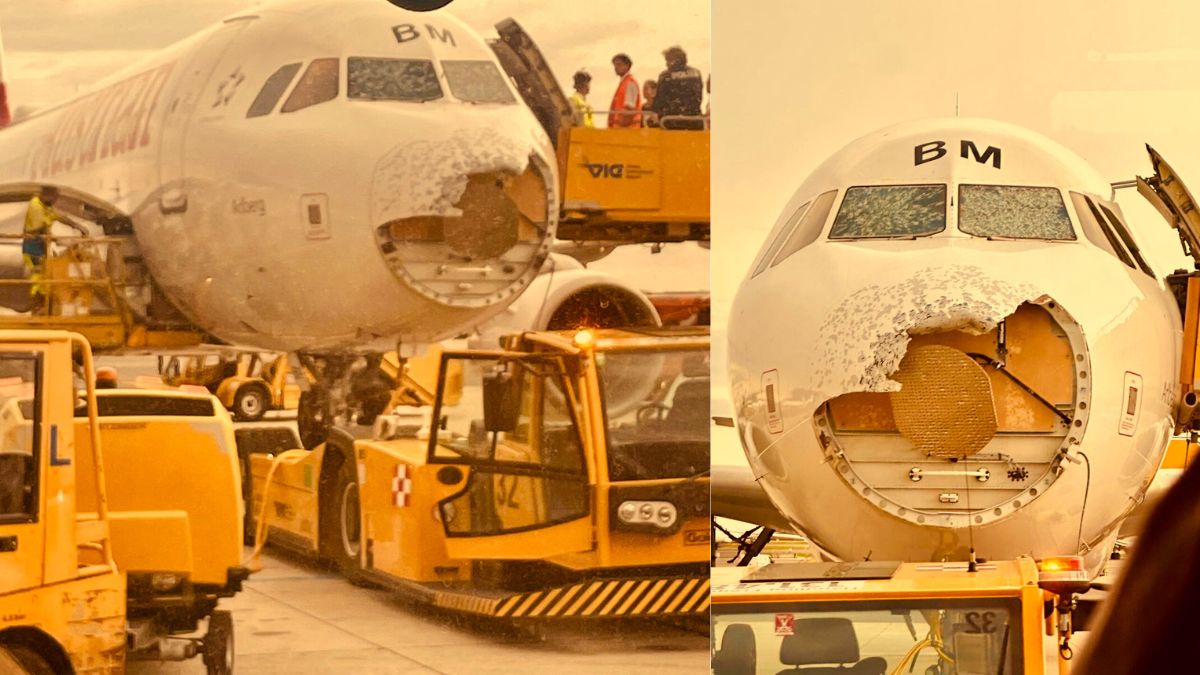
[565, 476]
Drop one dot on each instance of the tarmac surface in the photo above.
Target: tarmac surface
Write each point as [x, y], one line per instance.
[295, 617]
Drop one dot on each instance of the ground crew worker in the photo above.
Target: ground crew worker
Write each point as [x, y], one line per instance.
[581, 110]
[106, 377]
[626, 108]
[39, 218]
[649, 92]
[680, 91]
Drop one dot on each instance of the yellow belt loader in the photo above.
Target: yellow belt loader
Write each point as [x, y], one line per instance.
[119, 517]
[565, 476]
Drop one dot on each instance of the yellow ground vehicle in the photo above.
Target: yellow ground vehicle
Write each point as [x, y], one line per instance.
[876, 618]
[563, 476]
[105, 556]
[247, 383]
[619, 186]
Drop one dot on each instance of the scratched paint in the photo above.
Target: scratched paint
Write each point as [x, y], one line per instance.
[428, 177]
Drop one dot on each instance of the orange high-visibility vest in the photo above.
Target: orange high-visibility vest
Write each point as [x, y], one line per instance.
[628, 92]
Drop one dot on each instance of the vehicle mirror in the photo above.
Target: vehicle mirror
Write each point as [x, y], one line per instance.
[500, 401]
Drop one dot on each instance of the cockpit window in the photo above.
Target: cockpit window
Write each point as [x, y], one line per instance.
[272, 90]
[1011, 212]
[477, 82]
[779, 235]
[809, 228]
[318, 84]
[884, 211]
[392, 79]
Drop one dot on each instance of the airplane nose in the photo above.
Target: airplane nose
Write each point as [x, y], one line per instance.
[975, 419]
[466, 221]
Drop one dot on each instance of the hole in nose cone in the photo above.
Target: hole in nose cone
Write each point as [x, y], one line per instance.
[488, 226]
[485, 252]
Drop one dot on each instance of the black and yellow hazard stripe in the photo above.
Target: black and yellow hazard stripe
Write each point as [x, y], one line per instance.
[604, 598]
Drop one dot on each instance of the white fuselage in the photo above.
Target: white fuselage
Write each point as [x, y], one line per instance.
[837, 316]
[273, 230]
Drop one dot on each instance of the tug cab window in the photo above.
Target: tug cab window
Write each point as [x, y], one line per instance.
[656, 404]
[533, 474]
[272, 90]
[19, 405]
[891, 212]
[375, 79]
[477, 82]
[318, 84]
[1012, 212]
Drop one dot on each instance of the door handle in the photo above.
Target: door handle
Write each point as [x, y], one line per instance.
[8, 544]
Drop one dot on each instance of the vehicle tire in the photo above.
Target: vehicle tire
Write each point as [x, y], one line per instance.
[251, 402]
[346, 518]
[218, 644]
[29, 660]
[313, 417]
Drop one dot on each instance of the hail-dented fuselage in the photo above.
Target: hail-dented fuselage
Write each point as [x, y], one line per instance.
[315, 175]
[946, 342]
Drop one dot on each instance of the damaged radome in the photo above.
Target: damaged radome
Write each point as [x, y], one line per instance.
[466, 222]
[965, 408]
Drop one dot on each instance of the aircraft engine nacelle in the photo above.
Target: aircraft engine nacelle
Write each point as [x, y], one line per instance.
[571, 297]
[935, 356]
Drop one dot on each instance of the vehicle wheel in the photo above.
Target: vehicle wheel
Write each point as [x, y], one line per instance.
[251, 402]
[347, 522]
[28, 660]
[313, 417]
[218, 644]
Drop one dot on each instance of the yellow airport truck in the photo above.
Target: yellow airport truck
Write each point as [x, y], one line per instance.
[110, 549]
[564, 476]
[247, 383]
[621, 185]
[887, 618]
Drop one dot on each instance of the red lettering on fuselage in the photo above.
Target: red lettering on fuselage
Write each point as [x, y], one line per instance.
[103, 125]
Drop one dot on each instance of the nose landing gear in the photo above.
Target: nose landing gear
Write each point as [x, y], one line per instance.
[349, 388]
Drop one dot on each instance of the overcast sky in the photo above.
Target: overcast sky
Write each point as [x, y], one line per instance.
[799, 80]
[55, 48]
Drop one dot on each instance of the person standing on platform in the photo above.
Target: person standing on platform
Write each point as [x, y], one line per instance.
[626, 108]
[582, 110]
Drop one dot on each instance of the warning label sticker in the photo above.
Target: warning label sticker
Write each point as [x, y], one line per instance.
[785, 624]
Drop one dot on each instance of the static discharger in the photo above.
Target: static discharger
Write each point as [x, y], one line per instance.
[945, 406]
